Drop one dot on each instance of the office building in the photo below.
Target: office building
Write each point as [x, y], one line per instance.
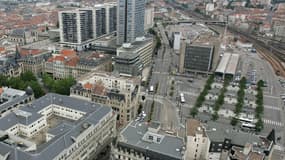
[128, 64]
[56, 127]
[76, 28]
[142, 46]
[195, 58]
[130, 20]
[105, 19]
[143, 141]
[120, 93]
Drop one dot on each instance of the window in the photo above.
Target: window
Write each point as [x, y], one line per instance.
[150, 137]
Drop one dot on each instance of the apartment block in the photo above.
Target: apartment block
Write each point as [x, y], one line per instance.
[68, 63]
[121, 93]
[80, 27]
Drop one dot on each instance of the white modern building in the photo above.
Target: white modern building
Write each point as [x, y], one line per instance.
[56, 127]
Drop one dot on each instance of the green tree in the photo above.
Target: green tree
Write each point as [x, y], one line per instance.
[38, 91]
[28, 76]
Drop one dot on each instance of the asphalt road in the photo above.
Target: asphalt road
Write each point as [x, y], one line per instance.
[165, 110]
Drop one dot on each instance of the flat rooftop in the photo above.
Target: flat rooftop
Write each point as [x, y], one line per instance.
[133, 136]
[138, 44]
[63, 139]
[228, 64]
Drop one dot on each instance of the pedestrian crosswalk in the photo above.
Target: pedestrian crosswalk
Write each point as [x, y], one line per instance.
[272, 107]
[272, 123]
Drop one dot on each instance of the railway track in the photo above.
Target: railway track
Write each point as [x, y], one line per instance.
[273, 55]
[276, 65]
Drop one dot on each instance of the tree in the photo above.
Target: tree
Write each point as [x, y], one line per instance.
[28, 76]
[38, 91]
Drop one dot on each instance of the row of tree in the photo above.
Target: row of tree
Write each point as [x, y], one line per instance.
[202, 95]
[157, 39]
[259, 106]
[22, 82]
[220, 101]
[240, 100]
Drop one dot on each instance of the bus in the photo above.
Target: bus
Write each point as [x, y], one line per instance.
[182, 99]
[248, 126]
[245, 120]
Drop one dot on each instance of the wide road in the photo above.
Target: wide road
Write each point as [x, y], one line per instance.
[165, 111]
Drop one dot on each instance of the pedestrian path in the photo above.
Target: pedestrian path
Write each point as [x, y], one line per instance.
[273, 123]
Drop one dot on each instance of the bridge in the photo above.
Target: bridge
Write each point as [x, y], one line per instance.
[197, 21]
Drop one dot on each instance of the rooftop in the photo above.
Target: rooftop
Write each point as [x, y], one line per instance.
[93, 114]
[135, 136]
[195, 127]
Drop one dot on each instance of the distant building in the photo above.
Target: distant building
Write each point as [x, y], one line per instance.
[177, 41]
[57, 127]
[23, 36]
[195, 58]
[12, 99]
[120, 93]
[143, 141]
[130, 20]
[68, 63]
[148, 18]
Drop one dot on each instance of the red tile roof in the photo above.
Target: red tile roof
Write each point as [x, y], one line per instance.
[25, 52]
[67, 52]
[88, 86]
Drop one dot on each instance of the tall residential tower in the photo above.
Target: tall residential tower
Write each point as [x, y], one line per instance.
[130, 21]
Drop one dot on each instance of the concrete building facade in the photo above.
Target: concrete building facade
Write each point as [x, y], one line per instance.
[121, 93]
[76, 28]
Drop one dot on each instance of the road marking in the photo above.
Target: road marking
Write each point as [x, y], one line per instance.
[271, 122]
[268, 96]
[272, 107]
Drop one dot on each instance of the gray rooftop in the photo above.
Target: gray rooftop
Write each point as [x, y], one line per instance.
[133, 136]
[50, 149]
[218, 132]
